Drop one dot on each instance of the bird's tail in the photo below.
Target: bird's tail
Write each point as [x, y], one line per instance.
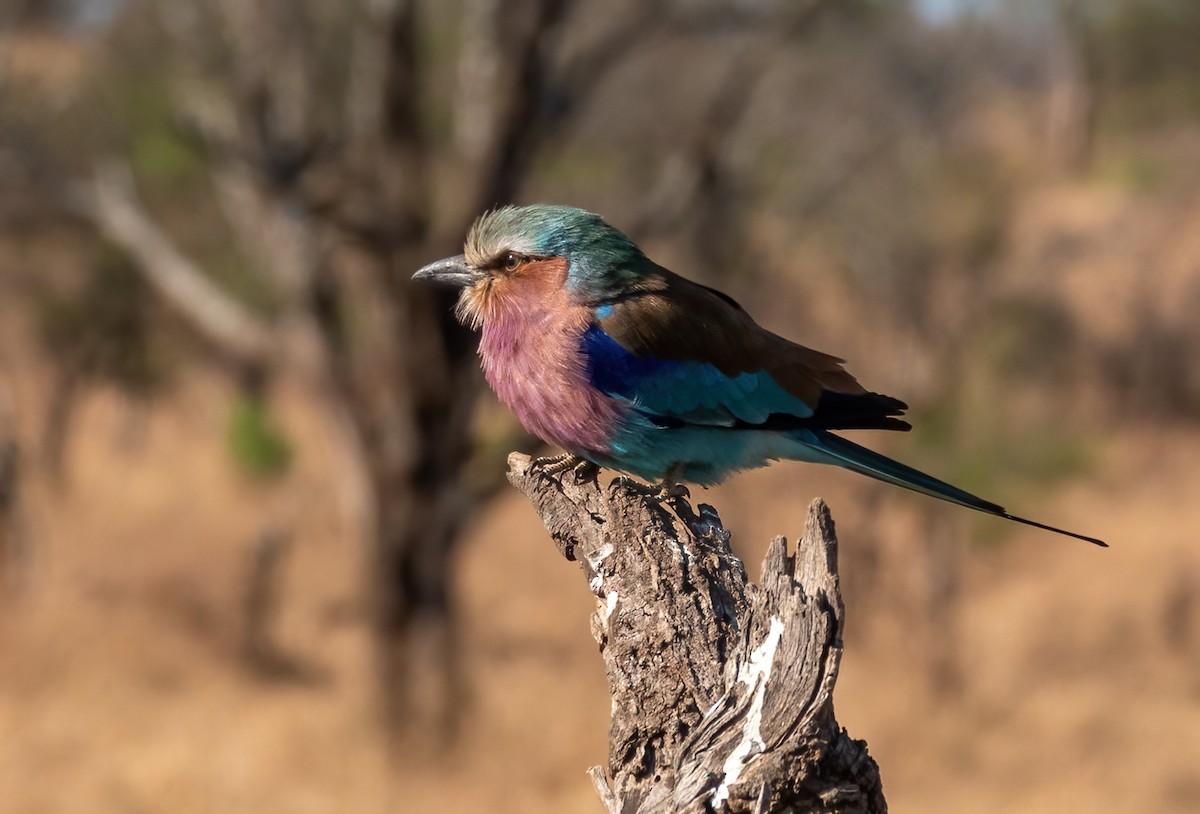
[836, 450]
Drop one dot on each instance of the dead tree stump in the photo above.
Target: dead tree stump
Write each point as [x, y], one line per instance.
[722, 690]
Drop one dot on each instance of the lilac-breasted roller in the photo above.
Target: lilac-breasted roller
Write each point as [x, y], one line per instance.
[624, 364]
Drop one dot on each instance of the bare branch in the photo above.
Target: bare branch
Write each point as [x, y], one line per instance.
[111, 202]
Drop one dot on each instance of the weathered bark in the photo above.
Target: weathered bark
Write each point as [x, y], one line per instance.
[722, 689]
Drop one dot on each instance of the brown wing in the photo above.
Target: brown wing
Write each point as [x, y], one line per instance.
[672, 318]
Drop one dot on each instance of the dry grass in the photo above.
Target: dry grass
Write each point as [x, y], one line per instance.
[121, 689]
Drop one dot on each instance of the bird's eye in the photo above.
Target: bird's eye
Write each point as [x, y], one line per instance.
[510, 261]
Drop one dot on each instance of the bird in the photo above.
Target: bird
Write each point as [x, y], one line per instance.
[624, 364]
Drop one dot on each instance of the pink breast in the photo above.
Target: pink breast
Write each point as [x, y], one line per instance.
[533, 359]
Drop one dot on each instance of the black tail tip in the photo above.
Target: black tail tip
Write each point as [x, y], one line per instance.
[1093, 540]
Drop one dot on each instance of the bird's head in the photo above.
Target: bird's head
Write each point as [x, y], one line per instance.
[521, 252]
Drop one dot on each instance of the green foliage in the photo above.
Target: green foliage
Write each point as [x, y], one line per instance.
[1001, 427]
[163, 154]
[1035, 456]
[141, 106]
[258, 446]
[171, 166]
[132, 108]
[993, 457]
[1134, 169]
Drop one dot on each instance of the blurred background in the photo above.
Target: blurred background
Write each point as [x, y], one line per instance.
[256, 549]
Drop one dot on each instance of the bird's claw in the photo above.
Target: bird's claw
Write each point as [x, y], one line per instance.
[672, 491]
[585, 471]
[660, 493]
[552, 464]
[545, 467]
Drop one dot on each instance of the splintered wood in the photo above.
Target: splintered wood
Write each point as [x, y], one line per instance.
[722, 690]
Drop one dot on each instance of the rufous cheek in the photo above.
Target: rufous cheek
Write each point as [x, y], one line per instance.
[547, 274]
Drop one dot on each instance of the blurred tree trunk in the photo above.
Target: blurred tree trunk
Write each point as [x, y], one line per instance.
[336, 204]
[1073, 89]
[13, 553]
[9, 552]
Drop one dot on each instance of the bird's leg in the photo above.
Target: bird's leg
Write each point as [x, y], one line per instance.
[669, 489]
[556, 464]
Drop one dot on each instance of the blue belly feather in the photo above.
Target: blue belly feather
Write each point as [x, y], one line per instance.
[682, 414]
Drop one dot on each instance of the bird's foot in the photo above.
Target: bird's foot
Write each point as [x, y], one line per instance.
[668, 490]
[585, 471]
[661, 493]
[557, 464]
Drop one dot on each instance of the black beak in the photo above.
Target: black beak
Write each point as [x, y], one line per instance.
[453, 271]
